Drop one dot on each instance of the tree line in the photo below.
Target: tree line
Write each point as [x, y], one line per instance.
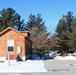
[62, 40]
[66, 31]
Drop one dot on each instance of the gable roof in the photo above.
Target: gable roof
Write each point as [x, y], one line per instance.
[13, 30]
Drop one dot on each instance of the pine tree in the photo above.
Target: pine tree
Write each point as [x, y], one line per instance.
[35, 21]
[40, 43]
[9, 18]
[72, 37]
[63, 29]
[39, 35]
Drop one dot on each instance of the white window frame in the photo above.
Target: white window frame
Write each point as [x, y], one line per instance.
[9, 44]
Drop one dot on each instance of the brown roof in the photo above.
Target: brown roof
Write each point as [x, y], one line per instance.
[13, 30]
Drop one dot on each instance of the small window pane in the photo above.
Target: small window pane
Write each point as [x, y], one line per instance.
[10, 48]
[10, 42]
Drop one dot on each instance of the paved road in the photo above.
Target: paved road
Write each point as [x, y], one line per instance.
[48, 73]
[25, 74]
[61, 67]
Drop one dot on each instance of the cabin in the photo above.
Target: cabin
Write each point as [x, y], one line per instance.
[15, 44]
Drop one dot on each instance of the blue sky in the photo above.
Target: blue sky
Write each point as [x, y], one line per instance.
[51, 10]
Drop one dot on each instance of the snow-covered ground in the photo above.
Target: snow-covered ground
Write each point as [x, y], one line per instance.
[34, 65]
[65, 58]
[27, 66]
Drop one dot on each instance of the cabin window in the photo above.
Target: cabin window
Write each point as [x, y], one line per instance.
[10, 45]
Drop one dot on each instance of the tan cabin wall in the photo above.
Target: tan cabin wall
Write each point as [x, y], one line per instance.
[28, 46]
[19, 40]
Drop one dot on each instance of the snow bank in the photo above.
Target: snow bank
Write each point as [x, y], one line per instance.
[27, 66]
[2, 58]
[65, 58]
